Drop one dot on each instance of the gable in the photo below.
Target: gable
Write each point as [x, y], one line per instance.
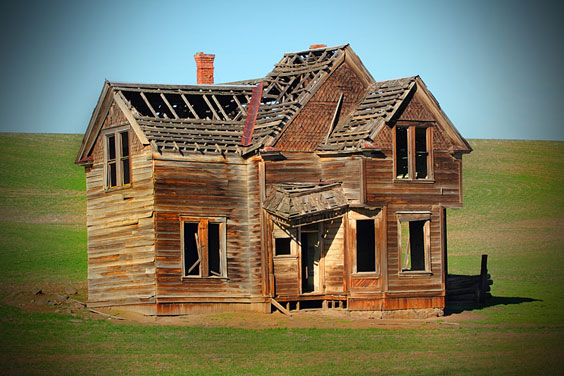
[109, 111]
[334, 100]
[377, 107]
[421, 107]
[114, 118]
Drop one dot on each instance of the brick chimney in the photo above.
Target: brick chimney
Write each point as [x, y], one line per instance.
[204, 65]
[314, 46]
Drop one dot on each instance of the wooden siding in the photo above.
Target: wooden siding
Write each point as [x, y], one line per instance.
[207, 186]
[334, 246]
[414, 283]
[287, 276]
[121, 253]
[310, 168]
[444, 190]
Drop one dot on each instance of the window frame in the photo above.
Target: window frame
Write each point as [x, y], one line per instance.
[203, 223]
[280, 231]
[376, 216]
[412, 152]
[403, 217]
[118, 159]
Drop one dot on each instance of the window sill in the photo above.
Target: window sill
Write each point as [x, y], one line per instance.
[118, 188]
[366, 275]
[415, 273]
[198, 278]
[284, 257]
[416, 181]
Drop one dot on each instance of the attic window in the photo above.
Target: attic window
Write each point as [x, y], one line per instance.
[412, 152]
[117, 159]
[203, 247]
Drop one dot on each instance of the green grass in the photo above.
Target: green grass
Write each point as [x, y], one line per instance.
[514, 205]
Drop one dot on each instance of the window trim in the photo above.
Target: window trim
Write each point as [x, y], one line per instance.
[117, 133]
[377, 218]
[410, 217]
[291, 233]
[222, 221]
[411, 152]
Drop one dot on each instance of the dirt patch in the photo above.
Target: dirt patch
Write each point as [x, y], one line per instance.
[67, 299]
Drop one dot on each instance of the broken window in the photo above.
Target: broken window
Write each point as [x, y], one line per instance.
[118, 171]
[203, 247]
[412, 156]
[365, 246]
[414, 239]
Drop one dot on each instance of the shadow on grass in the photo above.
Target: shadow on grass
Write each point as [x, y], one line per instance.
[456, 307]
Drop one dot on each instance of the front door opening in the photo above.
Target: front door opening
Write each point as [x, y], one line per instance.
[311, 253]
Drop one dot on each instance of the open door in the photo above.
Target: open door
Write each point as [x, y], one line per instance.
[310, 247]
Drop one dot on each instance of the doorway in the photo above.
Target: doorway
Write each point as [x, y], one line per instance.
[311, 254]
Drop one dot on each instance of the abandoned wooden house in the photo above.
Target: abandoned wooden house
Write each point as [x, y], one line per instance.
[315, 186]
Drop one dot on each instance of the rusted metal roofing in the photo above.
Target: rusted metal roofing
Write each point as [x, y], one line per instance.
[380, 103]
[302, 204]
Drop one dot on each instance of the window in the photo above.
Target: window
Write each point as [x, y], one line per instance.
[118, 171]
[283, 244]
[414, 243]
[203, 247]
[366, 240]
[365, 246]
[412, 152]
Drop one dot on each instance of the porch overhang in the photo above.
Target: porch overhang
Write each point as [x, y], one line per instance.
[296, 205]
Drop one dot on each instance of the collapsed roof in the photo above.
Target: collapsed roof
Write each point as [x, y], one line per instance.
[302, 204]
[247, 116]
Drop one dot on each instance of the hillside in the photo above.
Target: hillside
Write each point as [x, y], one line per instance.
[513, 211]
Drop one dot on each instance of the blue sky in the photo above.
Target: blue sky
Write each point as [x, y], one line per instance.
[492, 65]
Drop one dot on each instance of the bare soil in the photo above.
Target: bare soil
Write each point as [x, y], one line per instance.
[68, 299]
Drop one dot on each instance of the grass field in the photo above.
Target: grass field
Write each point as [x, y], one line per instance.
[514, 205]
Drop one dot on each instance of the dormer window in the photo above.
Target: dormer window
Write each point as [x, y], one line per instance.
[118, 171]
[412, 152]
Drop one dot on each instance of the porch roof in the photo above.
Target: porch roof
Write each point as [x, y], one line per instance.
[295, 204]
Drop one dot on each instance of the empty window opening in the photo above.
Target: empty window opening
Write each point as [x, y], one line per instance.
[118, 170]
[112, 168]
[413, 245]
[365, 246]
[402, 165]
[214, 251]
[412, 156]
[203, 248]
[192, 253]
[421, 153]
[282, 246]
[125, 158]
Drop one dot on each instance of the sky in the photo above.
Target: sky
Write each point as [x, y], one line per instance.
[494, 66]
